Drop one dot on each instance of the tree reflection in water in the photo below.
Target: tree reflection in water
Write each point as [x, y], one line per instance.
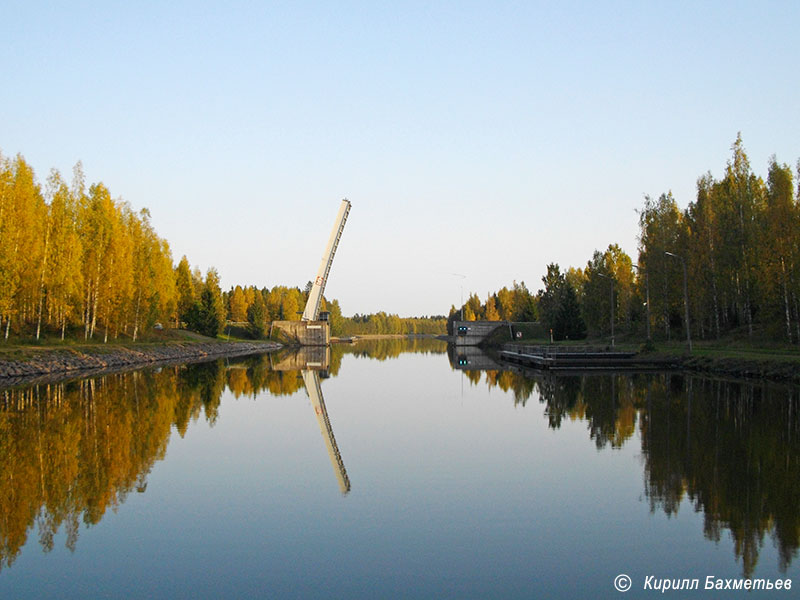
[69, 451]
[72, 450]
[732, 448]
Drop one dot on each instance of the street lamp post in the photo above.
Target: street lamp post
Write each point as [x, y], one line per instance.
[685, 299]
[461, 287]
[612, 305]
[647, 295]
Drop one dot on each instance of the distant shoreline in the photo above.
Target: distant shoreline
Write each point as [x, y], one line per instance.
[393, 336]
[32, 365]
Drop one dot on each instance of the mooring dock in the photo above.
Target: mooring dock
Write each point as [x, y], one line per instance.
[581, 358]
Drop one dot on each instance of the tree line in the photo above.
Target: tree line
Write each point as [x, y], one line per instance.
[74, 258]
[739, 242]
[257, 308]
[515, 304]
[381, 323]
[76, 262]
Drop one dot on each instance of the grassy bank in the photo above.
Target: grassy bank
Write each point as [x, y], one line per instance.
[31, 357]
[17, 348]
[736, 358]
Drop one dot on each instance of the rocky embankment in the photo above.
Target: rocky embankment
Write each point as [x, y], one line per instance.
[52, 364]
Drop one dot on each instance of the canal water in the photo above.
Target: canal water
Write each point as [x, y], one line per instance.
[395, 469]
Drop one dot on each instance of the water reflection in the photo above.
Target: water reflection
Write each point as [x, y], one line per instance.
[313, 363]
[386, 348]
[731, 447]
[70, 451]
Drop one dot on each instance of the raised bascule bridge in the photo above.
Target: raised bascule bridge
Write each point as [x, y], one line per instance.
[313, 333]
[313, 328]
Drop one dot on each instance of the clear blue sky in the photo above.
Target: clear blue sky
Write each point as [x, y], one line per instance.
[481, 138]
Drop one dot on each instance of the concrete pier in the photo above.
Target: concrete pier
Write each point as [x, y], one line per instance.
[472, 333]
[303, 333]
[580, 358]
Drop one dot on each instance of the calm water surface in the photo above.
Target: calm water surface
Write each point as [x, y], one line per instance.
[390, 470]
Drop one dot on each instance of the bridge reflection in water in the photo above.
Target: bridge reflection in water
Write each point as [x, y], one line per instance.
[313, 363]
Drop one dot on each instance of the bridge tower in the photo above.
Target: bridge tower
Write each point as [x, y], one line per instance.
[311, 313]
[314, 329]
